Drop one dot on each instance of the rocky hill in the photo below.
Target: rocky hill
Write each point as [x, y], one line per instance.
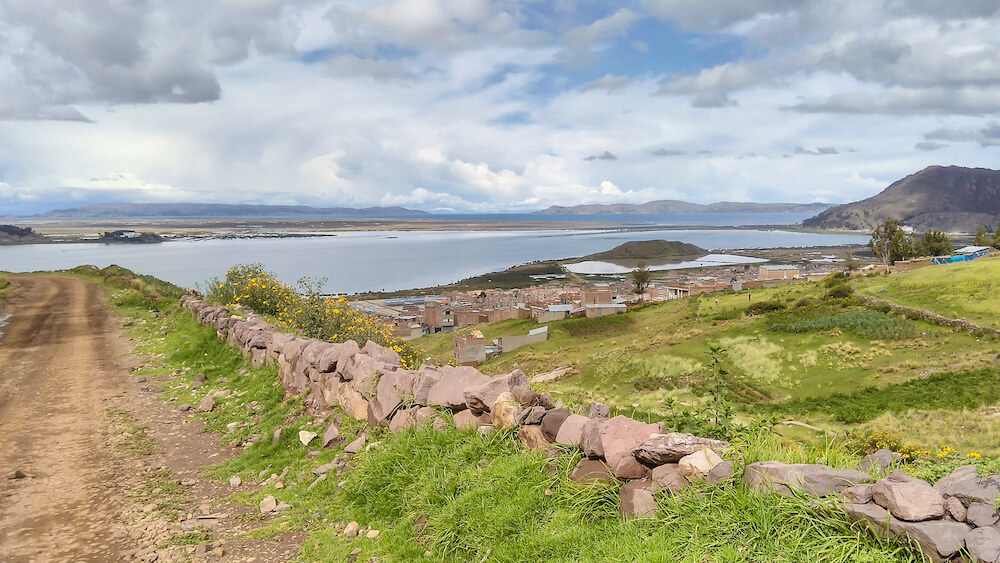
[649, 250]
[948, 198]
[12, 234]
[669, 206]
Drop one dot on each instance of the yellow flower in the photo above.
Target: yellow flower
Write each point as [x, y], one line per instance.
[974, 455]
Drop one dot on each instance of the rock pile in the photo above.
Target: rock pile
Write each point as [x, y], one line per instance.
[369, 384]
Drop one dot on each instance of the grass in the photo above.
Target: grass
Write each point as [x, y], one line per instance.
[483, 497]
[966, 290]
[5, 286]
[519, 506]
[873, 325]
[943, 391]
[583, 326]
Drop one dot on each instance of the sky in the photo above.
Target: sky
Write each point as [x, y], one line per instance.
[478, 106]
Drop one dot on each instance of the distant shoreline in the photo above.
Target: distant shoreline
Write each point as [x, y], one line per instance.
[80, 231]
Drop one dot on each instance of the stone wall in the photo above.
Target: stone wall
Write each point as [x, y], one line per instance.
[957, 513]
[927, 316]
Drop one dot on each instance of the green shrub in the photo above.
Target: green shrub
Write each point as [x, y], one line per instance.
[310, 314]
[868, 324]
[840, 292]
[764, 307]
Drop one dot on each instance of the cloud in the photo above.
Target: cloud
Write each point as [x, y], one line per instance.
[988, 136]
[903, 58]
[606, 155]
[818, 151]
[352, 65]
[929, 146]
[609, 82]
[581, 40]
[667, 152]
[58, 55]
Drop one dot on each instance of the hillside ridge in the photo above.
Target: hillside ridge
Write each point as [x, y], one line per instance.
[947, 198]
[667, 206]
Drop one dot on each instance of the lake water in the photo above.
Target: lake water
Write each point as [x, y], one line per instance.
[382, 260]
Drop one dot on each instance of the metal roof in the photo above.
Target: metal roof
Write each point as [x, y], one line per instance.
[971, 249]
[778, 267]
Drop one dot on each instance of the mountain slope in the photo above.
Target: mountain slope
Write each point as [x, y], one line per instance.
[948, 198]
[668, 206]
[131, 210]
[649, 250]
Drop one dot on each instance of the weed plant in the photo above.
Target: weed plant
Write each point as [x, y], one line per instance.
[873, 325]
[307, 311]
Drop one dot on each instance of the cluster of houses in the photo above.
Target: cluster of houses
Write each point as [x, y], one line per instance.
[556, 300]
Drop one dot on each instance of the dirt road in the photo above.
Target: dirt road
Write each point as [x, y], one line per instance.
[59, 368]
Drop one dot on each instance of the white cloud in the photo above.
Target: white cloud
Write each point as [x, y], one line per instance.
[470, 105]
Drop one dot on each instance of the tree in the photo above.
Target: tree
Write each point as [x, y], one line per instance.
[889, 242]
[982, 237]
[936, 243]
[850, 262]
[641, 277]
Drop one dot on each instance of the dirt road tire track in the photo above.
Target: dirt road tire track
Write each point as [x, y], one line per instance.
[59, 367]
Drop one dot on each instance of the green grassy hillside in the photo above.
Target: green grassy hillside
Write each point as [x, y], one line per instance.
[811, 347]
[966, 290]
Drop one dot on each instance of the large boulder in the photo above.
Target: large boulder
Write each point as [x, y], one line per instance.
[571, 431]
[531, 415]
[984, 545]
[449, 390]
[697, 466]
[670, 448]
[939, 540]
[637, 499]
[590, 438]
[480, 398]
[465, 419]
[334, 357]
[591, 471]
[404, 418]
[880, 461]
[504, 411]
[532, 438]
[619, 436]
[392, 387]
[552, 422]
[908, 498]
[364, 373]
[329, 387]
[815, 480]
[353, 403]
[668, 477]
[964, 485]
[427, 377]
[381, 353]
[599, 410]
[981, 515]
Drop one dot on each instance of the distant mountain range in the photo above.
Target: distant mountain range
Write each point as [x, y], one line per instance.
[948, 198]
[668, 206]
[205, 210]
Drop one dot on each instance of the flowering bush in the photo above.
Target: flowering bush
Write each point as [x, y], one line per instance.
[306, 311]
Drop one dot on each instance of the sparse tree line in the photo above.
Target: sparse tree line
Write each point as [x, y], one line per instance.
[891, 243]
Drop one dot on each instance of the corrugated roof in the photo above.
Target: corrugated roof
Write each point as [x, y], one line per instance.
[778, 267]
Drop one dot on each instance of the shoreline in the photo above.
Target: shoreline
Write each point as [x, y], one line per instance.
[78, 232]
